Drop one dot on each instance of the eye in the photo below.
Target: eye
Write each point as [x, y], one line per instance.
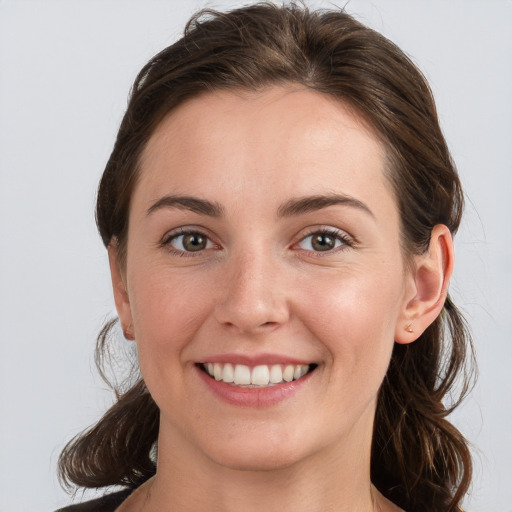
[188, 241]
[324, 241]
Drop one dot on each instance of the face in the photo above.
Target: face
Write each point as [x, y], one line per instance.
[263, 248]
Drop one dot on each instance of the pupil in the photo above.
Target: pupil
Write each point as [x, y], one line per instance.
[194, 242]
[323, 242]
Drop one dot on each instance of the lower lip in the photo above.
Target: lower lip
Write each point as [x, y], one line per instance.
[253, 397]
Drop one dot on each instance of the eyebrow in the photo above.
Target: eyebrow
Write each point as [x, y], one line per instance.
[293, 207]
[194, 204]
[308, 204]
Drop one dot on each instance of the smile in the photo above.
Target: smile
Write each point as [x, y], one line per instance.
[260, 376]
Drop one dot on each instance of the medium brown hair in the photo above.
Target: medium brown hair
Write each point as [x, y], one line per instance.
[419, 459]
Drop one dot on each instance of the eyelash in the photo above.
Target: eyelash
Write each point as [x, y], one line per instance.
[337, 234]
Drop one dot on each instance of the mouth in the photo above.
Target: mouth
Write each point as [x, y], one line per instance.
[260, 376]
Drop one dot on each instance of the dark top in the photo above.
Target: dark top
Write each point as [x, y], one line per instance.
[106, 503]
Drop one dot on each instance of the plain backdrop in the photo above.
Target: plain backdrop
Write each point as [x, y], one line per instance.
[65, 71]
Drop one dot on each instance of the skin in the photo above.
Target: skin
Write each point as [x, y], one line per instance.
[259, 286]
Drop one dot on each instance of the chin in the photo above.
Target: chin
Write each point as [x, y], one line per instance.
[260, 452]
[257, 460]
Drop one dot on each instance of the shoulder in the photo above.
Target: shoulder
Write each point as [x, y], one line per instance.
[107, 503]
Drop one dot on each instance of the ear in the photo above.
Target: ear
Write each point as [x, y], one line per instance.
[121, 298]
[428, 288]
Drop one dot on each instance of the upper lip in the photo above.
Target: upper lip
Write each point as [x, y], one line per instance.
[254, 359]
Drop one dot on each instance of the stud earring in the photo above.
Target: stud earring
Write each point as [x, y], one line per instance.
[127, 332]
[409, 328]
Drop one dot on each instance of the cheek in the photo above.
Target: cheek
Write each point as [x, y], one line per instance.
[167, 311]
[354, 316]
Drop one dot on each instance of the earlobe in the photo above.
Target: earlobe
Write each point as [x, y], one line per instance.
[430, 279]
[119, 288]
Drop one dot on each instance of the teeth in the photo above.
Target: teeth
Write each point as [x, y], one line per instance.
[258, 376]
[288, 373]
[299, 371]
[228, 373]
[276, 374]
[242, 375]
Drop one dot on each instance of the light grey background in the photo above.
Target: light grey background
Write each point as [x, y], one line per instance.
[65, 70]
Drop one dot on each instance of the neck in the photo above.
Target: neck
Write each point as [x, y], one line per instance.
[331, 480]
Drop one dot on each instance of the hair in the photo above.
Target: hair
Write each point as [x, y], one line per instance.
[419, 460]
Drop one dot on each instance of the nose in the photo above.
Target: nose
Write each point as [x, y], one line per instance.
[252, 295]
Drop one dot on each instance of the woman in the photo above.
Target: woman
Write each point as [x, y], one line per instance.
[278, 211]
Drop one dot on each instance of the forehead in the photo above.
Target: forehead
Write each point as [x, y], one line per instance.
[297, 141]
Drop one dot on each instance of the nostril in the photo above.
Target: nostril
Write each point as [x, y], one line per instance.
[245, 327]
